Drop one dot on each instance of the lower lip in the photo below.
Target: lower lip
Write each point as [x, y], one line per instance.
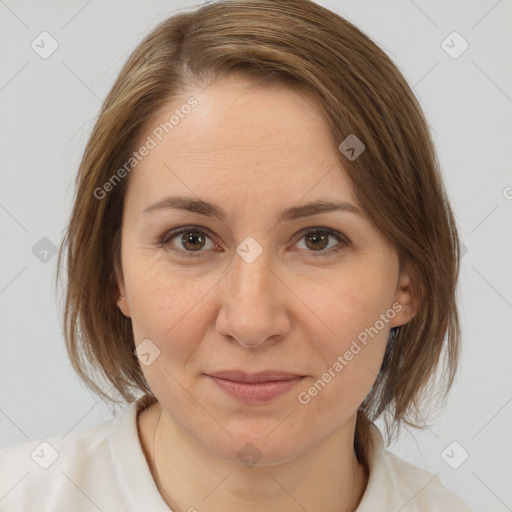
[256, 392]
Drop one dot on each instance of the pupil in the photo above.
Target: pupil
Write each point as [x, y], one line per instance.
[195, 241]
[191, 238]
[317, 237]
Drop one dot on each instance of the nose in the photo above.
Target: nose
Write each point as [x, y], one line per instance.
[253, 309]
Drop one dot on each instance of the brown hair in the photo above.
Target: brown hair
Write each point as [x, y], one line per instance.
[396, 180]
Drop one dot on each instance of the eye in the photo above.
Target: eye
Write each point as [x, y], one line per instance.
[191, 242]
[317, 243]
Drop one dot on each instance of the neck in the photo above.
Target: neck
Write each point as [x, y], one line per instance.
[191, 477]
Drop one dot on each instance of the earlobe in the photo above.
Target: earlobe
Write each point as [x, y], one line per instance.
[407, 298]
[122, 304]
[121, 301]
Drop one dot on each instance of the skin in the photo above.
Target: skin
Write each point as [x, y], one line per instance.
[253, 151]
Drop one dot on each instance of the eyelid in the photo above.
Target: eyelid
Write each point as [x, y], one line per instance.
[172, 233]
[316, 229]
[343, 240]
[165, 240]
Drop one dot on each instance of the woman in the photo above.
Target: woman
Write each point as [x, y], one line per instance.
[261, 261]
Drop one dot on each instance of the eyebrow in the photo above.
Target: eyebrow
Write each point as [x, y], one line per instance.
[211, 210]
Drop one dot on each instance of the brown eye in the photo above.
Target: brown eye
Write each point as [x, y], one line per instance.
[193, 240]
[317, 240]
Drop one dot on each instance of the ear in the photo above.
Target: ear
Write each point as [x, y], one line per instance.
[121, 303]
[408, 297]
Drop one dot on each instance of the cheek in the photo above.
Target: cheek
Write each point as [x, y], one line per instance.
[161, 297]
[352, 301]
[348, 363]
[168, 311]
[356, 313]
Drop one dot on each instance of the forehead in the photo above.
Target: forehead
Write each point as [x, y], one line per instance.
[240, 141]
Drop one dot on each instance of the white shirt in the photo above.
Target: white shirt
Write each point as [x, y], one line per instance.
[103, 468]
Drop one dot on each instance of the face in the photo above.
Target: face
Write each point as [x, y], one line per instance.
[245, 286]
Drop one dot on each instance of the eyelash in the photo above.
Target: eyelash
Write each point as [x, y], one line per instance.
[170, 235]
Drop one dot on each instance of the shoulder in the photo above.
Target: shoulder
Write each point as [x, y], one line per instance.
[44, 452]
[404, 486]
[424, 488]
[59, 471]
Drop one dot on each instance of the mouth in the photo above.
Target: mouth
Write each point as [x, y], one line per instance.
[255, 387]
[252, 378]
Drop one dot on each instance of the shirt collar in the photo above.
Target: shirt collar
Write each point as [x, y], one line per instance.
[385, 490]
[136, 482]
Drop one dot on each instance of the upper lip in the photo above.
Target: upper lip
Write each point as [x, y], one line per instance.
[265, 376]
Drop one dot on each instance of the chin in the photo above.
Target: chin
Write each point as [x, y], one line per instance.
[258, 442]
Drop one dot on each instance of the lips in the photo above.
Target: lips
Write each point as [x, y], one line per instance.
[251, 378]
[255, 388]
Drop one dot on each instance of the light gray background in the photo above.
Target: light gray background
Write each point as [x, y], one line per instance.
[47, 109]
